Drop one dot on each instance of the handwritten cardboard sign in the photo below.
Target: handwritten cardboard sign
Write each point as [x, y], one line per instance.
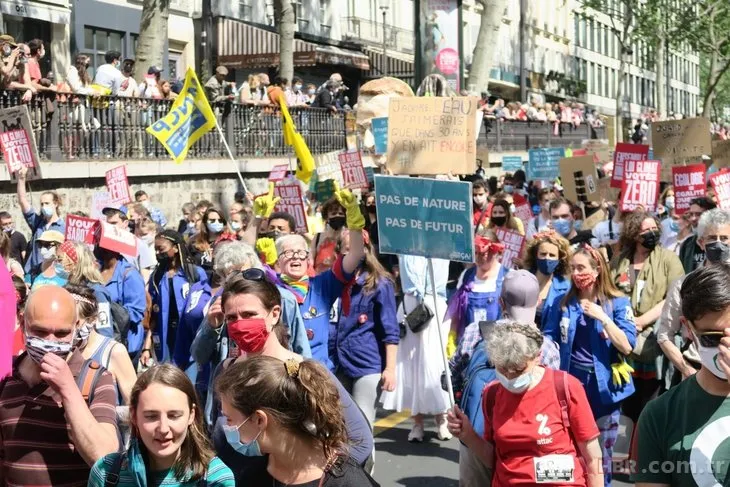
[328, 167]
[18, 143]
[278, 173]
[113, 238]
[513, 244]
[640, 186]
[118, 186]
[580, 179]
[432, 135]
[353, 173]
[680, 142]
[688, 183]
[721, 153]
[291, 202]
[625, 152]
[721, 184]
[80, 229]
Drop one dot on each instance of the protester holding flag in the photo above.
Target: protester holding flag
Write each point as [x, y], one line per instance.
[213, 229]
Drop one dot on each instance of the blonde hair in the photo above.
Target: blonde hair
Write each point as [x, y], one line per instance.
[85, 270]
[604, 284]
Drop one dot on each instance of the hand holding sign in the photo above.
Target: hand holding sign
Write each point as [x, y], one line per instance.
[264, 205]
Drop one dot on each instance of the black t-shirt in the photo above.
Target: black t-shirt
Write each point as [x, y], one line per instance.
[18, 245]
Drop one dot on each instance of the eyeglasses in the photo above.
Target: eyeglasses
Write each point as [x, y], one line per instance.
[299, 254]
[709, 339]
[254, 274]
[47, 245]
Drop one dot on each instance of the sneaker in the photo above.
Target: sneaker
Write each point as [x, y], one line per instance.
[444, 434]
[416, 434]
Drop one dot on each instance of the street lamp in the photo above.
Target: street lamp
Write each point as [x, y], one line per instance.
[384, 6]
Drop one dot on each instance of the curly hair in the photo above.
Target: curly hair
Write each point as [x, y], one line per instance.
[564, 253]
[631, 230]
[510, 344]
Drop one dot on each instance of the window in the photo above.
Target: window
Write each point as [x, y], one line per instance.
[591, 31]
[599, 27]
[98, 42]
[324, 26]
[599, 81]
[302, 21]
[244, 9]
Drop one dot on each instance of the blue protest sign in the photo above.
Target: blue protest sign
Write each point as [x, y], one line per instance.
[380, 133]
[544, 163]
[511, 163]
[370, 173]
[425, 217]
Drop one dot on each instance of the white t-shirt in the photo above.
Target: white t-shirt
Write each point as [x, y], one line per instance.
[669, 236]
[606, 232]
[537, 224]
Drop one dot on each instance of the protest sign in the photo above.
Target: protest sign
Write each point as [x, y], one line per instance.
[278, 173]
[370, 173]
[596, 217]
[426, 217]
[680, 142]
[328, 167]
[543, 163]
[380, 134]
[522, 209]
[291, 202]
[721, 184]
[513, 243]
[117, 186]
[353, 174]
[605, 190]
[721, 153]
[432, 135]
[18, 143]
[598, 148]
[511, 163]
[80, 229]
[113, 238]
[688, 183]
[580, 179]
[324, 190]
[625, 152]
[640, 186]
[99, 201]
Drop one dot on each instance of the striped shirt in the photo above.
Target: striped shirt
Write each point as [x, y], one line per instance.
[35, 444]
[217, 475]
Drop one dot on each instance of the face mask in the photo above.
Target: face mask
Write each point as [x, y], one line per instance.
[297, 87]
[669, 202]
[146, 204]
[163, 258]
[82, 335]
[311, 91]
[48, 253]
[37, 348]
[249, 334]
[499, 220]
[674, 226]
[336, 222]
[517, 385]
[191, 225]
[547, 266]
[578, 224]
[148, 239]
[371, 209]
[508, 188]
[563, 226]
[47, 211]
[709, 358]
[60, 270]
[584, 281]
[717, 251]
[236, 226]
[216, 227]
[233, 437]
[480, 200]
[8, 229]
[650, 239]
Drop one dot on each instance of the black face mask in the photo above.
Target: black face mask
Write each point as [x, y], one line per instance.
[499, 220]
[336, 222]
[163, 259]
[650, 239]
[371, 209]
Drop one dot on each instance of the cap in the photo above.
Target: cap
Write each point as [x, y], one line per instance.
[122, 209]
[52, 236]
[520, 292]
[154, 70]
[9, 39]
[222, 70]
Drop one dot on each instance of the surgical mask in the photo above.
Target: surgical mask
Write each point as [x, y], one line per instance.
[709, 357]
[148, 239]
[480, 200]
[37, 348]
[717, 251]
[563, 226]
[236, 226]
[508, 188]
[47, 211]
[674, 226]
[669, 202]
[578, 224]
[297, 87]
[336, 222]
[518, 385]
[8, 229]
[311, 91]
[48, 253]
[233, 437]
[216, 227]
[60, 270]
[146, 204]
[82, 335]
[191, 225]
[650, 239]
[547, 266]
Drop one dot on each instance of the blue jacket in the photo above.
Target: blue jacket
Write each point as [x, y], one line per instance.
[561, 326]
[126, 287]
[194, 310]
[361, 336]
[558, 288]
[160, 294]
[37, 224]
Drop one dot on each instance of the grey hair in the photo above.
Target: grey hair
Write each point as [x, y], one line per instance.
[233, 256]
[712, 219]
[289, 240]
[511, 344]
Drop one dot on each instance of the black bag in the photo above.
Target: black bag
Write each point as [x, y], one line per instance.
[418, 318]
[120, 322]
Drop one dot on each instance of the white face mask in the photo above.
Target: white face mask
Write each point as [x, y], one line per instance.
[518, 385]
[709, 357]
[48, 253]
[480, 200]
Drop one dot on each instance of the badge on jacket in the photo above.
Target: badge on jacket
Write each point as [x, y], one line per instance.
[564, 327]
[362, 319]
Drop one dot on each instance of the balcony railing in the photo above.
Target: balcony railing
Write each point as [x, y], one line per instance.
[371, 32]
[509, 135]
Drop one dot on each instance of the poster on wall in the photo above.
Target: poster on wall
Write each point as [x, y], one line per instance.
[439, 25]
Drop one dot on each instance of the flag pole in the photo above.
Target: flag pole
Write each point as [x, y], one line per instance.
[230, 154]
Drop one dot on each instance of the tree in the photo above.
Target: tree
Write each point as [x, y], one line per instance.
[483, 57]
[152, 35]
[286, 25]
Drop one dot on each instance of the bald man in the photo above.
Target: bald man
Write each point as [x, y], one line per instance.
[49, 435]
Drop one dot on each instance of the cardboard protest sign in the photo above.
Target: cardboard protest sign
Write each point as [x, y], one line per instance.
[688, 183]
[543, 163]
[117, 186]
[380, 134]
[291, 202]
[679, 142]
[513, 244]
[606, 191]
[625, 152]
[640, 186]
[580, 179]
[99, 201]
[721, 153]
[18, 143]
[596, 217]
[598, 148]
[80, 229]
[114, 238]
[426, 217]
[511, 163]
[721, 184]
[328, 167]
[523, 211]
[432, 135]
[278, 173]
[353, 173]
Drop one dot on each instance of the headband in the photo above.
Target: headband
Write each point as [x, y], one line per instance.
[594, 253]
[67, 248]
[545, 234]
[483, 245]
[80, 299]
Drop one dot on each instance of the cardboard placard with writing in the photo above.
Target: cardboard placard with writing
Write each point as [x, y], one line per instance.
[291, 202]
[328, 167]
[623, 153]
[688, 183]
[580, 179]
[598, 148]
[721, 184]
[117, 186]
[432, 135]
[353, 172]
[18, 143]
[591, 221]
[278, 173]
[513, 244]
[113, 238]
[721, 153]
[680, 142]
[640, 186]
[80, 229]
[523, 211]
[606, 191]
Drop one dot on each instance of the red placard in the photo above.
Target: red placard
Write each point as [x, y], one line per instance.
[80, 229]
[513, 243]
[291, 202]
[580, 152]
[721, 183]
[353, 172]
[626, 152]
[17, 150]
[278, 173]
[118, 186]
[640, 185]
[116, 239]
[688, 183]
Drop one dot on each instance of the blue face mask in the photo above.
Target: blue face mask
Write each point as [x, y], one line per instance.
[563, 226]
[518, 385]
[508, 188]
[233, 437]
[674, 226]
[578, 224]
[216, 227]
[547, 266]
[47, 211]
[60, 271]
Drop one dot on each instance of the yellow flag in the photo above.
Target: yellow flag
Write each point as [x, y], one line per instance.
[305, 161]
[189, 119]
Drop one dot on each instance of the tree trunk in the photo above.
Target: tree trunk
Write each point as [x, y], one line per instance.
[661, 76]
[152, 36]
[286, 25]
[483, 57]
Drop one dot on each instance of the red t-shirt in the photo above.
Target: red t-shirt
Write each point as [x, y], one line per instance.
[530, 439]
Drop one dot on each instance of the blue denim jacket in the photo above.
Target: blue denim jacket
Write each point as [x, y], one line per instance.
[558, 288]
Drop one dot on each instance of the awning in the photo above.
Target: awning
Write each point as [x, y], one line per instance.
[399, 64]
[242, 45]
[36, 10]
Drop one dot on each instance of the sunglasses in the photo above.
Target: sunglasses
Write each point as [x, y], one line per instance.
[254, 274]
[709, 339]
[47, 245]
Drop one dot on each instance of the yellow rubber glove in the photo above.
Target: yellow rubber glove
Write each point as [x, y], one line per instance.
[264, 205]
[267, 248]
[355, 220]
[451, 344]
[621, 373]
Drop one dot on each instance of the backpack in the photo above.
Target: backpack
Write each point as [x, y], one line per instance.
[478, 374]
[88, 378]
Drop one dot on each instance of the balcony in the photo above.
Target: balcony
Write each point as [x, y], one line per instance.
[370, 32]
[509, 135]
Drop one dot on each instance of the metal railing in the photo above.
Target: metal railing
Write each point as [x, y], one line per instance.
[514, 135]
[371, 32]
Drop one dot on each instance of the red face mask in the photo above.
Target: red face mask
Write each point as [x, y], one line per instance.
[249, 334]
[584, 281]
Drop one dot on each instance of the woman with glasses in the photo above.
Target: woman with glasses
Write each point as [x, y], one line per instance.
[50, 271]
[213, 229]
